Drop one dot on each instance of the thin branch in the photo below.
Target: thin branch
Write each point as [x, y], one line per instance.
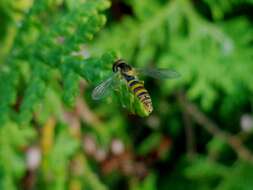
[189, 132]
[83, 110]
[85, 113]
[242, 151]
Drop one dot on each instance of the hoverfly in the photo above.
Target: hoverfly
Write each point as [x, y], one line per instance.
[130, 75]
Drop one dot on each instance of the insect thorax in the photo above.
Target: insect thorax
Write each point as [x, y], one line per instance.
[122, 66]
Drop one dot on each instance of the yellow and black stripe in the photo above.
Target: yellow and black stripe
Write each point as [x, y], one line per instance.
[138, 89]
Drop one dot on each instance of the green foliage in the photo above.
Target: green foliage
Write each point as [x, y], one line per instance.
[12, 141]
[239, 178]
[204, 170]
[42, 55]
[64, 147]
[149, 143]
[149, 183]
[53, 53]
[220, 8]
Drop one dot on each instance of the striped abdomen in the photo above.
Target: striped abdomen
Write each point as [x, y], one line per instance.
[139, 91]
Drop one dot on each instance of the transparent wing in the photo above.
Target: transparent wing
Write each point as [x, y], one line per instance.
[158, 73]
[102, 89]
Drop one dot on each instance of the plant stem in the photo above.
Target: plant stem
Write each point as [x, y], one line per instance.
[235, 143]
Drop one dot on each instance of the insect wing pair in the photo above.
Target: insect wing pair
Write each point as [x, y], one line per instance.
[102, 89]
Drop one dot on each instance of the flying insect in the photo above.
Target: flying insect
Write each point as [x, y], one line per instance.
[130, 74]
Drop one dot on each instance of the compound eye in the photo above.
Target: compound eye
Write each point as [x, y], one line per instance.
[115, 68]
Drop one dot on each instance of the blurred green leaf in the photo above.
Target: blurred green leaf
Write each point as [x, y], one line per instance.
[238, 178]
[149, 144]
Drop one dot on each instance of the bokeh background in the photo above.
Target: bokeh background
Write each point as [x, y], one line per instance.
[53, 136]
